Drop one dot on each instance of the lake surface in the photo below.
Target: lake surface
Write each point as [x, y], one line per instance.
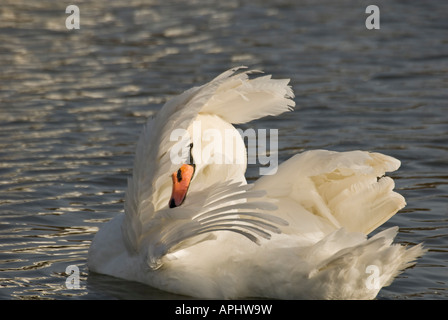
[72, 104]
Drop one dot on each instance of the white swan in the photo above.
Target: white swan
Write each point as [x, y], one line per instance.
[300, 233]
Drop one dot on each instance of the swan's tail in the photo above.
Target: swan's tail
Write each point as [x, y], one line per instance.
[347, 189]
[361, 270]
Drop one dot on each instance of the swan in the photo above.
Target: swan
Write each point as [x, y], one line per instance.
[192, 225]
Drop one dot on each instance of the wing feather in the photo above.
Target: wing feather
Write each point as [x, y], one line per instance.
[171, 228]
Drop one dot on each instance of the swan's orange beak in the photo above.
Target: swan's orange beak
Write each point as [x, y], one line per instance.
[181, 182]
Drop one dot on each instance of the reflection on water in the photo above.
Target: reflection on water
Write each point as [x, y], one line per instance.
[73, 102]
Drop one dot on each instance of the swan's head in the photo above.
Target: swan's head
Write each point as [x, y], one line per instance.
[216, 154]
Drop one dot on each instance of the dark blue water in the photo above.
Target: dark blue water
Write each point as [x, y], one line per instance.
[72, 103]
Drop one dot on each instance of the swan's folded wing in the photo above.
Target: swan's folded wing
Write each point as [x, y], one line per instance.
[224, 207]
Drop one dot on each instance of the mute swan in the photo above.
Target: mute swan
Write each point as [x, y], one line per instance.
[194, 226]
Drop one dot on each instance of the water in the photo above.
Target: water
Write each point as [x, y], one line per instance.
[73, 102]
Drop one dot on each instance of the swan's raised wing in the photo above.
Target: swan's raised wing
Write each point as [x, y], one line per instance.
[239, 99]
[346, 189]
[233, 95]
